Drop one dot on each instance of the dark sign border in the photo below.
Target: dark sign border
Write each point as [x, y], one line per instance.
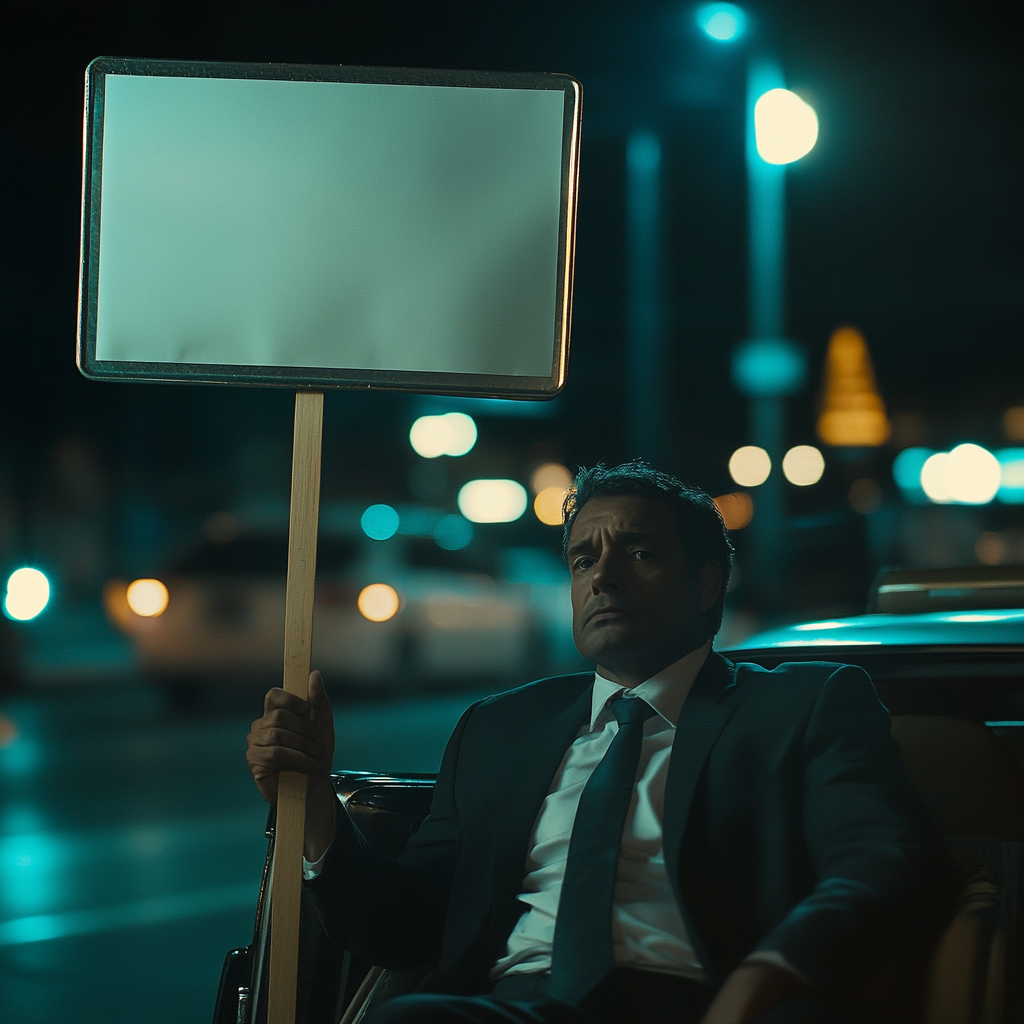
[298, 377]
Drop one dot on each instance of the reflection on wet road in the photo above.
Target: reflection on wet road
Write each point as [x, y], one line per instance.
[131, 842]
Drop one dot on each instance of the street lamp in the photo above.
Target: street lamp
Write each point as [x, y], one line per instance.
[768, 367]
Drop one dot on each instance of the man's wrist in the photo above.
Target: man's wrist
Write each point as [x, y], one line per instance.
[320, 801]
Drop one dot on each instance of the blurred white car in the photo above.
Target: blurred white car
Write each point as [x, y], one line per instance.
[223, 619]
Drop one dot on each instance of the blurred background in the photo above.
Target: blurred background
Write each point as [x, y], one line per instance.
[810, 306]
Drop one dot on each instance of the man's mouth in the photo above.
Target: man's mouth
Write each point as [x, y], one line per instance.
[607, 611]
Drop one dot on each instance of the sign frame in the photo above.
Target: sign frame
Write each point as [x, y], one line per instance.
[319, 378]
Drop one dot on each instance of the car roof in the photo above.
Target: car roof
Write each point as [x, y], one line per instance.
[997, 627]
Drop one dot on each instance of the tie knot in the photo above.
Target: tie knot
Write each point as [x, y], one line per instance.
[631, 710]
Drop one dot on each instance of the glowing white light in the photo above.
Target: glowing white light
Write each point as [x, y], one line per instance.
[453, 434]
[492, 501]
[749, 466]
[803, 465]
[147, 598]
[819, 625]
[28, 592]
[933, 478]
[378, 602]
[971, 474]
[785, 127]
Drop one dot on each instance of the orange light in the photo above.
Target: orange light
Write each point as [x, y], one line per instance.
[990, 549]
[547, 506]
[1013, 423]
[378, 602]
[736, 509]
[550, 474]
[853, 413]
[147, 598]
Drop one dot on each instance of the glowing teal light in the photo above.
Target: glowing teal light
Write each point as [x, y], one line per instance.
[453, 533]
[1011, 482]
[724, 23]
[379, 522]
[906, 471]
[769, 368]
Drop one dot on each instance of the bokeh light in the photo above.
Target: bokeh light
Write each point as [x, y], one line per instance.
[492, 501]
[769, 368]
[1013, 423]
[147, 598]
[547, 506]
[803, 465]
[379, 522]
[28, 591]
[971, 475]
[378, 602]
[736, 509]
[785, 127]
[1011, 480]
[865, 496]
[933, 478]
[453, 532]
[550, 474]
[853, 413]
[724, 23]
[989, 548]
[453, 433]
[749, 466]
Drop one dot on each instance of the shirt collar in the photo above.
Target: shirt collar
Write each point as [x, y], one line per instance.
[665, 691]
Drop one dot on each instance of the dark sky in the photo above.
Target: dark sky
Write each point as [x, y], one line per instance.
[905, 220]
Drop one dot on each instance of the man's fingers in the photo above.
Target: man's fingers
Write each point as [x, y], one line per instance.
[281, 718]
[264, 765]
[278, 698]
[286, 739]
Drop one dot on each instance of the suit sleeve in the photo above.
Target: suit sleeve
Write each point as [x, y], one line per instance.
[391, 910]
[880, 862]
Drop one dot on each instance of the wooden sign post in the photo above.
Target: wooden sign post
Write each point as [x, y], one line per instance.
[284, 225]
[289, 830]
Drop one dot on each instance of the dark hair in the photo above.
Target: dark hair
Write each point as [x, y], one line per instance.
[701, 527]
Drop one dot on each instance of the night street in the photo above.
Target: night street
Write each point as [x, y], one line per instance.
[121, 887]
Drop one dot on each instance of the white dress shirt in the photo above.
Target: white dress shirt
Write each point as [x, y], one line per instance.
[647, 929]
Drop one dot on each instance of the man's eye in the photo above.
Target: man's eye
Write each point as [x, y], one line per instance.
[583, 563]
[643, 554]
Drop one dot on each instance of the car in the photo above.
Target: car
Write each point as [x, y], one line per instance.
[402, 613]
[953, 680]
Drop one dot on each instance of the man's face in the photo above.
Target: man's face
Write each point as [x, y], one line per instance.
[636, 604]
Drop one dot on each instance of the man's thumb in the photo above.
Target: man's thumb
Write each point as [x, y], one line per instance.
[318, 695]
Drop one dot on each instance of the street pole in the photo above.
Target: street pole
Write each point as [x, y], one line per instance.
[767, 367]
[645, 320]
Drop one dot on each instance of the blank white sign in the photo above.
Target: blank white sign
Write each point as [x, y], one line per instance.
[329, 224]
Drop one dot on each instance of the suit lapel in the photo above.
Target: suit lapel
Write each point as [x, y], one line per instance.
[708, 707]
[544, 746]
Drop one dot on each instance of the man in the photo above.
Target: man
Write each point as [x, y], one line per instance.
[675, 838]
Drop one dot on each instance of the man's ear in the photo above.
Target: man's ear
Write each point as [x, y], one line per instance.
[709, 584]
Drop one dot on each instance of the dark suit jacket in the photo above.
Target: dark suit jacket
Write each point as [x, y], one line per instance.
[789, 825]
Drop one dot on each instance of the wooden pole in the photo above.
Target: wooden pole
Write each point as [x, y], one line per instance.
[298, 633]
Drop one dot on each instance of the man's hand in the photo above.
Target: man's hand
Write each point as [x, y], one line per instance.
[297, 735]
[750, 990]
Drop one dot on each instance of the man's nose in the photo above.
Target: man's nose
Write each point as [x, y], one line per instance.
[605, 577]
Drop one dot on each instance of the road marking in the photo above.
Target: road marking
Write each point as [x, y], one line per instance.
[153, 910]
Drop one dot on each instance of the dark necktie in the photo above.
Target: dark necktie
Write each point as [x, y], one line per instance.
[582, 949]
